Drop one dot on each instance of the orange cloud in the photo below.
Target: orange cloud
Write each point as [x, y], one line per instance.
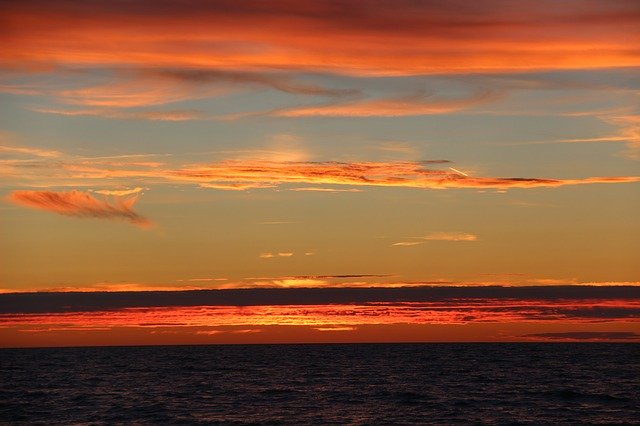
[323, 189]
[236, 186]
[397, 174]
[438, 236]
[171, 115]
[408, 106]
[384, 38]
[119, 192]
[629, 133]
[251, 174]
[30, 151]
[269, 255]
[80, 204]
[460, 311]
[450, 236]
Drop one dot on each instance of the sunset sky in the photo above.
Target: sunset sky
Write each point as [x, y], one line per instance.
[155, 149]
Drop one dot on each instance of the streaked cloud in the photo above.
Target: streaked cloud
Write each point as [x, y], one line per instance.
[80, 204]
[609, 295]
[407, 243]
[269, 255]
[170, 115]
[398, 38]
[450, 236]
[323, 189]
[119, 192]
[437, 236]
[393, 107]
[237, 186]
[460, 311]
[334, 328]
[132, 93]
[396, 174]
[255, 174]
[37, 152]
[628, 133]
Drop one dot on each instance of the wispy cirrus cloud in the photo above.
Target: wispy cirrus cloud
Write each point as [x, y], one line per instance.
[396, 174]
[80, 204]
[152, 115]
[628, 133]
[450, 236]
[37, 152]
[253, 174]
[236, 186]
[129, 94]
[8, 146]
[324, 189]
[438, 236]
[418, 104]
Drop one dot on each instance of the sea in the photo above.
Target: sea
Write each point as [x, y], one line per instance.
[441, 383]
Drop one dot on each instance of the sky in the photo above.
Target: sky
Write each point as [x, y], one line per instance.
[188, 150]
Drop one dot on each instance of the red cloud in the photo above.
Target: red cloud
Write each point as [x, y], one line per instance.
[357, 37]
[80, 204]
[397, 174]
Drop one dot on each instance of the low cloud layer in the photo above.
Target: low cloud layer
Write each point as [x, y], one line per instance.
[608, 297]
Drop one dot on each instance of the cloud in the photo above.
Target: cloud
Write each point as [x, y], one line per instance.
[396, 147]
[396, 174]
[37, 152]
[335, 328]
[395, 107]
[628, 133]
[80, 204]
[279, 81]
[128, 93]
[438, 236]
[398, 38]
[341, 276]
[587, 301]
[170, 115]
[450, 236]
[323, 189]
[237, 186]
[269, 255]
[259, 171]
[586, 335]
[254, 316]
[119, 192]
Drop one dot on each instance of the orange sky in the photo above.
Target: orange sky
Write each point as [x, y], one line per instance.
[209, 145]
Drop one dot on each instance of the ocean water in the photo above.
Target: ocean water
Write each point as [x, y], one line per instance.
[546, 383]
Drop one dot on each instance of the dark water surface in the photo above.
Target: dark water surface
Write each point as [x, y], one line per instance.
[357, 384]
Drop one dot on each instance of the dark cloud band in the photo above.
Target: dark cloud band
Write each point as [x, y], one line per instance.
[17, 303]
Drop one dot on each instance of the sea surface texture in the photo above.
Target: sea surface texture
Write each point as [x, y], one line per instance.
[338, 384]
